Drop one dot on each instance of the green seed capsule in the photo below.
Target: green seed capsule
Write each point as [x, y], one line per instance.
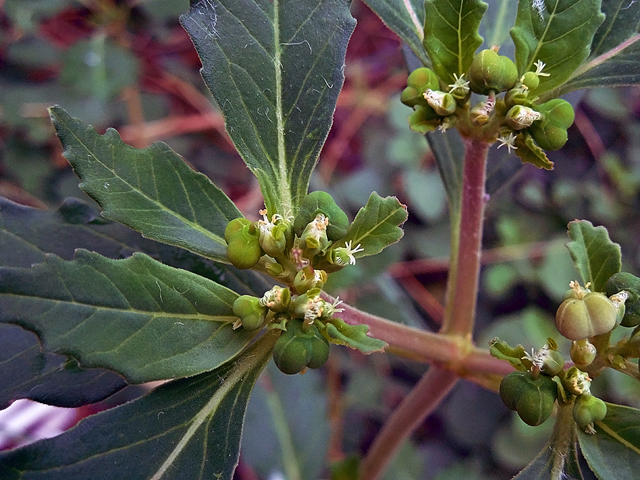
[243, 243]
[586, 315]
[587, 410]
[550, 133]
[490, 72]
[319, 202]
[422, 79]
[251, 313]
[532, 398]
[297, 348]
[629, 283]
[531, 80]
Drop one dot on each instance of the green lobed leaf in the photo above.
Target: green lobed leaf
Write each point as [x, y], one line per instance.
[353, 336]
[595, 256]
[528, 152]
[558, 33]
[376, 226]
[613, 453]
[150, 190]
[27, 372]
[406, 19]
[186, 429]
[275, 68]
[138, 317]
[615, 51]
[451, 35]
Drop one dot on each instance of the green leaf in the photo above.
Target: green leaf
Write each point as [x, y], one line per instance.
[405, 18]
[595, 256]
[613, 453]
[497, 22]
[451, 35]
[27, 372]
[559, 33]
[275, 68]
[150, 190]
[502, 351]
[559, 458]
[529, 152]
[376, 226]
[353, 336]
[112, 67]
[186, 429]
[448, 149]
[138, 317]
[615, 51]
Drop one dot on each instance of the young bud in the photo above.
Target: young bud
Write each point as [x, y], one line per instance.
[316, 203]
[308, 278]
[582, 352]
[252, 314]
[243, 243]
[314, 237]
[587, 410]
[519, 117]
[443, 103]
[277, 299]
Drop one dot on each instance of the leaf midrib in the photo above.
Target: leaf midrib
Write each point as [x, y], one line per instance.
[154, 315]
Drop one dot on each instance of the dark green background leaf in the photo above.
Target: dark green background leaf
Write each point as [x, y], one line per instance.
[150, 190]
[186, 429]
[376, 226]
[26, 236]
[615, 52]
[27, 372]
[560, 36]
[559, 458]
[406, 19]
[451, 35]
[143, 319]
[613, 453]
[595, 256]
[278, 90]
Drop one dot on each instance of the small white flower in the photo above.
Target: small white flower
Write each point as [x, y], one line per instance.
[539, 67]
[508, 141]
[460, 83]
[350, 252]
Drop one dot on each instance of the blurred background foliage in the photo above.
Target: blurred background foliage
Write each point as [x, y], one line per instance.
[128, 64]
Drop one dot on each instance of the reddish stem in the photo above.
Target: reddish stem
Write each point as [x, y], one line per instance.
[425, 397]
[460, 314]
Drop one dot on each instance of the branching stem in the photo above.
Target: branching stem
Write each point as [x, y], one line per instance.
[425, 397]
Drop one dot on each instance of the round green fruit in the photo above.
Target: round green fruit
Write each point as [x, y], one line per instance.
[490, 72]
[243, 243]
[532, 398]
[587, 410]
[579, 318]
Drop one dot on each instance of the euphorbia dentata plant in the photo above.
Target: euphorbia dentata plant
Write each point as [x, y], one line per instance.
[212, 296]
